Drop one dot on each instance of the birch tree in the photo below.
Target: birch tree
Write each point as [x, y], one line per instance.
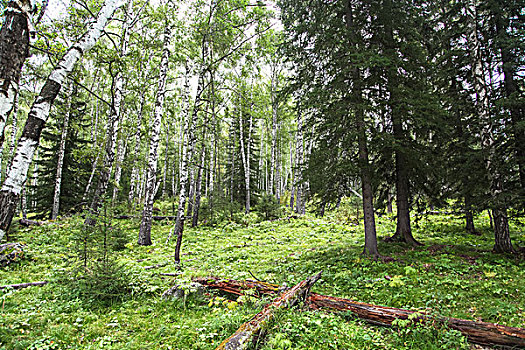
[39, 112]
[14, 49]
[60, 163]
[112, 129]
[145, 226]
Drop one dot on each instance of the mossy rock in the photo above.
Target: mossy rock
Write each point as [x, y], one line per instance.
[11, 252]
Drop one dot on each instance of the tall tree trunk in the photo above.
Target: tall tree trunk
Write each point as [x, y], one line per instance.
[147, 213]
[509, 67]
[299, 205]
[14, 49]
[469, 217]
[187, 152]
[245, 154]
[403, 230]
[37, 117]
[198, 187]
[273, 154]
[60, 163]
[135, 171]
[502, 242]
[166, 162]
[121, 154]
[364, 164]
[111, 132]
[191, 192]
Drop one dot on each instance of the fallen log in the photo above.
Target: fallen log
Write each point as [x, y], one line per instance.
[249, 332]
[24, 285]
[476, 332]
[27, 222]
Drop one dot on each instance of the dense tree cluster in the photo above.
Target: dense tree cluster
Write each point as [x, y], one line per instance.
[209, 106]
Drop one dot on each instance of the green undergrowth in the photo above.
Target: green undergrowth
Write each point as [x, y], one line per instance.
[454, 275]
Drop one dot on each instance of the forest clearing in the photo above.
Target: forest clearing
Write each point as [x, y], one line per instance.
[450, 276]
[269, 174]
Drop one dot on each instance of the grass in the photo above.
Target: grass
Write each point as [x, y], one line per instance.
[454, 274]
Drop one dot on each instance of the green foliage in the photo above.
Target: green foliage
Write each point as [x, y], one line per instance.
[453, 275]
[268, 205]
[97, 276]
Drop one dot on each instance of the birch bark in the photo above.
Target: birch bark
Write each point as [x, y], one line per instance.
[147, 213]
[60, 163]
[111, 133]
[39, 113]
[186, 153]
[14, 49]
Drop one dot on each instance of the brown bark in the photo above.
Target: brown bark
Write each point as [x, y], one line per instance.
[248, 333]
[476, 332]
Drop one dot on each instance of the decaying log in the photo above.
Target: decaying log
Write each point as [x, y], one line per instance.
[476, 332]
[11, 252]
[170, 273]
[27, 222]
[245, 336]
[24, 285]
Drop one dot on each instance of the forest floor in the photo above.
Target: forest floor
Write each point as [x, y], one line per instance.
[453, 274]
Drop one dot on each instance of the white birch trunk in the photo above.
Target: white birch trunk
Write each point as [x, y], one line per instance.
[111, 134]
[151, 189]
[39, 113]
[60, 163]
[186, 153]
[245, 154]
[273, 156]
[121, 154]
[135, 172]
[299, 207]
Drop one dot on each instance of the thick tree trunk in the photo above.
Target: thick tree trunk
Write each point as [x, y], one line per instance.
[60, 163]
[469, 216]
[364, 165]
[14, 49]
[248, 333]
[403, 230]
[39, 113]
[502, 239]
[145, 225]
[476, 332]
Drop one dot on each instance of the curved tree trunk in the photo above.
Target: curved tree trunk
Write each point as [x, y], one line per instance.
[39, 113]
